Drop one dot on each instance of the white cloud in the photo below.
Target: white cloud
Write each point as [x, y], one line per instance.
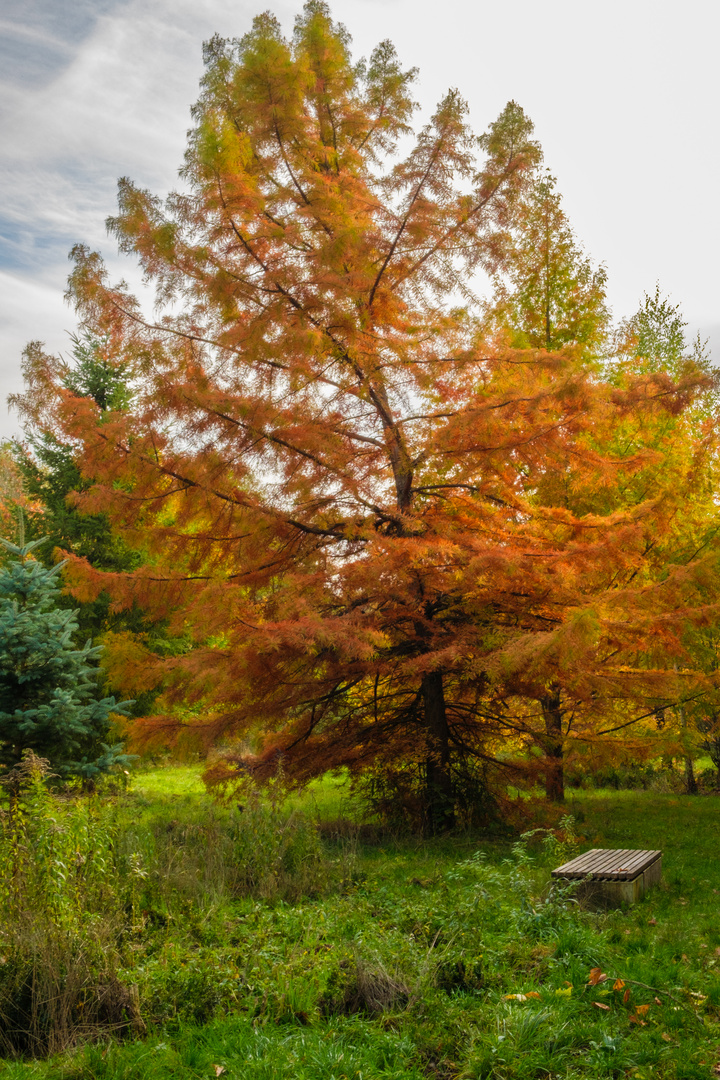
[31, 311]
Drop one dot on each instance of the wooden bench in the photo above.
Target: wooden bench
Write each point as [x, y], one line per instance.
[612, 877]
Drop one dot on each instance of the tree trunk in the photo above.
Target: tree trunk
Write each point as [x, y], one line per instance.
[690, 781]
[553, 744]
[440, 808]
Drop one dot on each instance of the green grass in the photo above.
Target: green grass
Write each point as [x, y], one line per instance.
[178, 782]
[401, 963]
[326, 799]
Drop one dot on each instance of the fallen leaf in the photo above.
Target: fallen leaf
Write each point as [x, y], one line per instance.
[652, 922]
[618, 984]
[564, 991]
[628, 932]
[666, 1037]
[642, 1010]
[684, 958]
[637, 1020]
[219, 1069]
[533, 994]
[658, 1001]
[597, 975]
[626, 996]
[515, 997]
[599, 1005]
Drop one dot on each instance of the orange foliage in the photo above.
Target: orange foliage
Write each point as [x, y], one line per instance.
[344, 495]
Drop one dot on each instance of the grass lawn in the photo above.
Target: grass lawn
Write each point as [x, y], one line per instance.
[345, 960]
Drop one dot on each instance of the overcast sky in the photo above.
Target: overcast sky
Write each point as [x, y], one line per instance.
[623, 95]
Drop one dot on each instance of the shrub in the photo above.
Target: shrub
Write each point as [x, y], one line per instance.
[60, 920]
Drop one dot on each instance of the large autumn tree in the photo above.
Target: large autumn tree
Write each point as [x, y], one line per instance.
[336, 480]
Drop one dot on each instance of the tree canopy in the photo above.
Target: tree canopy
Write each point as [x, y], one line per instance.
[374, 519]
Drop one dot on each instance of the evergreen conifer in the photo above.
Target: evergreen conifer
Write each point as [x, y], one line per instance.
[49, 699]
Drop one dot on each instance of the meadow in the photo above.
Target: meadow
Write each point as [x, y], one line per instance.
[285, 940]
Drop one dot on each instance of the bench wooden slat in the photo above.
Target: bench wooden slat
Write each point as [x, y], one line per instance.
[578, 863]
[615, 862]
[638, 862]
[602, 861]
[620, 864]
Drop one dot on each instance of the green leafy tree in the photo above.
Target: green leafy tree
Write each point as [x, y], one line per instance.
[655, 340]
[671, 465]
[548, 295]
[674, 456]
[49, 701]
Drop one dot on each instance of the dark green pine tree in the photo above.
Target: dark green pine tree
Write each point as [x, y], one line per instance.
[50, 474]
[49, 700]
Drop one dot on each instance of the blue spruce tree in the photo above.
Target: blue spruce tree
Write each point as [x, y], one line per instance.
[49, 699]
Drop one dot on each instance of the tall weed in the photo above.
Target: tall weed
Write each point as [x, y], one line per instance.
[82, 900]
[276, 856]
[60, 919]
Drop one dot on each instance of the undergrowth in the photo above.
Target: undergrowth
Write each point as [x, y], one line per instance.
[244, 942]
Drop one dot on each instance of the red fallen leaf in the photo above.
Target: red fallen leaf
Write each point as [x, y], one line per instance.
[599, 1005]
[652, 922]
[626, 996]
[597, 975]
[618, 984]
